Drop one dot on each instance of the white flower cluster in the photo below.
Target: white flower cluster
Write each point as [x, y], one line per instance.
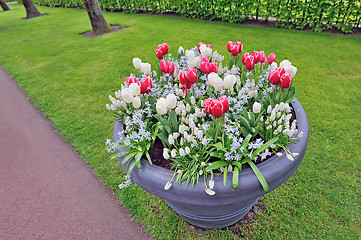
[278, 120]
[126, 182]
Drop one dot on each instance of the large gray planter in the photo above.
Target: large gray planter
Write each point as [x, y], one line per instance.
[228, 205]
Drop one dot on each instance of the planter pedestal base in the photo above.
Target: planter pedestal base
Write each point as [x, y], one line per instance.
[207, 217]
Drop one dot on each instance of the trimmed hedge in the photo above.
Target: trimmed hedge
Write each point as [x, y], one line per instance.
[345, 15]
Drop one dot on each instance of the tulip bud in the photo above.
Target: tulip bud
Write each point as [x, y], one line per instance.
[171, 101]
[271, 58]
[161, 106]
[225, 104]
[163, 65]
[234, 50]
[262, 57]
[257, 107]
[135, 89]
[159, 54]
[213, 67]
[145, 68]
[274, 77]
[136, 63]
[181, 50]
[256, 56]
[217, 109]
[136, 102]
[229, 81]
[127, 95]
[249, 62]
[192, 76]
[171, 68]
[285, 80]
[229, 46]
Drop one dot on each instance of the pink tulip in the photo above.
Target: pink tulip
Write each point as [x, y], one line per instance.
[271, 58]
[131, 80]
[234, 50]
[198, 46]
[239, 45]
[182, 78]
[285, 81]
[163, 66]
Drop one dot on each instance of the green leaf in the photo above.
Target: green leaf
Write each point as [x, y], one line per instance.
[235, 177]
[264, 146]
[225, 177]
[246, 141]
[127, 158]
[148, 157]
[216, 165]
[245, 123]
[259, 175]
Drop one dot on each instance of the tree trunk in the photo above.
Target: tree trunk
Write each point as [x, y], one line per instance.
[4, 6]
[31, 10]
[96, 17]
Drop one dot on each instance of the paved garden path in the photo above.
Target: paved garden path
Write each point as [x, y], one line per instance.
[46, 190]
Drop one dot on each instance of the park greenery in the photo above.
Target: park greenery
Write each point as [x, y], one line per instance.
[68, 77]
[299, 14]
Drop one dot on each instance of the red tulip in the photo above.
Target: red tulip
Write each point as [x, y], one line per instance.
[159, 54]
[217, 110]
[163, 66]
[192, 75]
[146, 85]
[209, 46]
[262, 57]
[224, 101]
[205, 65]
[171, 68]
[199, 44]
[239, 45]
[285, 81]
[256, 56]
[131, 80]
[164, 48]
[208, 104]
[274, 77]
[182, 78]
[234, 50]
[281, 70]
[244, 57]
[213, 67]
[249, 62]
[229, 46]
[271, 58]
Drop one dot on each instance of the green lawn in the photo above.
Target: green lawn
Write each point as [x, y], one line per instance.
[69, 78]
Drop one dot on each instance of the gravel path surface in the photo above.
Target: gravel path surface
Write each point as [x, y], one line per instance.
[46, 190]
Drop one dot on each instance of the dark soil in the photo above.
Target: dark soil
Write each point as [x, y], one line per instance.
[90, 34]
[156, 154]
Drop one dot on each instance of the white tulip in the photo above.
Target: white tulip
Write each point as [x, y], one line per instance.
[135, 88]
[145, 68]
[229, 81]
[171, 101]
[161, 106]
[205, 51]
[180, 50]
[136, 63]
[190, 55]
[256, 107]
[136, 102]
[293, 71]
[127, 95]
[273, 66]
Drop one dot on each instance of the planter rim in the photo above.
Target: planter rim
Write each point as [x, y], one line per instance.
[275, 170]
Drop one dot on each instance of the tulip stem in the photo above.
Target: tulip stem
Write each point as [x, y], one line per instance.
[217, 130]
[281, 95]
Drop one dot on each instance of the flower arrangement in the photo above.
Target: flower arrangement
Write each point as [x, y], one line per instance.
[213, 116]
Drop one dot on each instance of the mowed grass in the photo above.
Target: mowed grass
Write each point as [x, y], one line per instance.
[69, 78]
